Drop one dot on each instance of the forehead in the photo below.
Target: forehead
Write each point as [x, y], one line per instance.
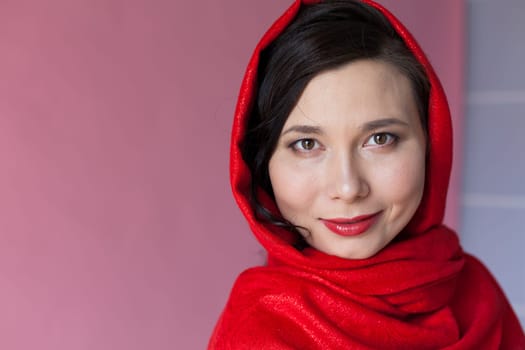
[357, 90]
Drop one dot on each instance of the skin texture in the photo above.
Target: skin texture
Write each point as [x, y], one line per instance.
[352, 146]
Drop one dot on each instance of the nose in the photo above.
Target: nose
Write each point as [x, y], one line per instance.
[346, 179]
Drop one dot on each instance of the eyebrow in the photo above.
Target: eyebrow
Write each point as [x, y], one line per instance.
[304, 129]
[380, 123]
[375, 124]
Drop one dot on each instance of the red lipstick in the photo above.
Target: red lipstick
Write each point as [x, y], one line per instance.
[353, 226]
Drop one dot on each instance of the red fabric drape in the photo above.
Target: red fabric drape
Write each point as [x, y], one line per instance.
[420, 292]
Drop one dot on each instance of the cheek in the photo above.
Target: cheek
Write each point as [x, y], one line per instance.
[402, 181]
[293, 188]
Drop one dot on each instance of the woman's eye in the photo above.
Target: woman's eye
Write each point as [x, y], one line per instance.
[305, 145]
[381, 139]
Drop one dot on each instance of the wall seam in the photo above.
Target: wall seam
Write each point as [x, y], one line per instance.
[496, 97]
[493, 200]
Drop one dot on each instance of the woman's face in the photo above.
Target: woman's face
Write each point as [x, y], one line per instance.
[349, 166]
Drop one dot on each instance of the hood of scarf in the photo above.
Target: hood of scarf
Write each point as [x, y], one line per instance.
[427, 252]
[408, 286]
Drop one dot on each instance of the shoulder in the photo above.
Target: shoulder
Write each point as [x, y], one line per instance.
[480, 300]
[263, 289]
[474, 271]
[476, 283]
[253, 316]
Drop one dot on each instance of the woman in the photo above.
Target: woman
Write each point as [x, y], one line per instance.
[340, 161]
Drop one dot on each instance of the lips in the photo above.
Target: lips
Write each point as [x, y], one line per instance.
[353, 226]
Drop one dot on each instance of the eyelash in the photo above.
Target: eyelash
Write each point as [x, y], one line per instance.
[391, 139]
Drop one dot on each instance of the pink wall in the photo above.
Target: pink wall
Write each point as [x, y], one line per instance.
[118, 230]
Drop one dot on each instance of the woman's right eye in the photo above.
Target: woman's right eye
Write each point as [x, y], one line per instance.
[304, 145]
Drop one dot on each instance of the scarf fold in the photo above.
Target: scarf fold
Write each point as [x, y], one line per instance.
[420, 292]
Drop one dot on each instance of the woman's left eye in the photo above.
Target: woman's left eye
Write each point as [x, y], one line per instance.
[381, 139]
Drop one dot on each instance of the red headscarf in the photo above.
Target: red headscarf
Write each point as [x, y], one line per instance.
[419, 292]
